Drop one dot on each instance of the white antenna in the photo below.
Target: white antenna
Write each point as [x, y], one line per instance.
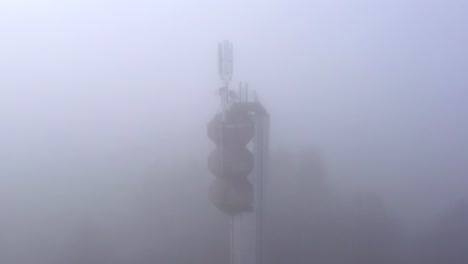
[225, 66]
[225, 62]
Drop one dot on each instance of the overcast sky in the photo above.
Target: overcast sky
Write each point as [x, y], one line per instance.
[377, 87]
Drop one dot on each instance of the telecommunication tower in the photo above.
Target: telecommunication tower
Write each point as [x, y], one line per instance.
[240, 131]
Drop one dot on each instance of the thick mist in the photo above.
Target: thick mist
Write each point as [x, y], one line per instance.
[104, 106]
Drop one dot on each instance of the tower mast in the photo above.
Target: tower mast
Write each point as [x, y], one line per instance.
[241, 173]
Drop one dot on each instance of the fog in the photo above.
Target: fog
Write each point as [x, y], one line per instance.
[104, 107]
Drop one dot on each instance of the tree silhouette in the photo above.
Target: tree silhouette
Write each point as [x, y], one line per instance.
[448, 243]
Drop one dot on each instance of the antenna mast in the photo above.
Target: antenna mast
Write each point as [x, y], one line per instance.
[225, 68]
[240, 163]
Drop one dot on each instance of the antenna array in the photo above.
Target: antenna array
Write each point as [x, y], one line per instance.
[225, 63]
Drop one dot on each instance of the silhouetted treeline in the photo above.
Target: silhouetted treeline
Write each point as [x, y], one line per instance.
[310, 223]
[171, 221]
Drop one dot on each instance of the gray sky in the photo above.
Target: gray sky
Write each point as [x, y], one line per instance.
[378, 87]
